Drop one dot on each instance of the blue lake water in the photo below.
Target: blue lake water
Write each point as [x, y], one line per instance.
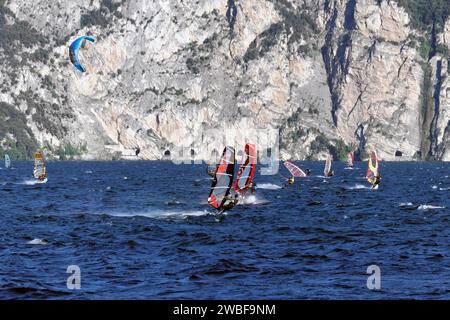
[143, 230]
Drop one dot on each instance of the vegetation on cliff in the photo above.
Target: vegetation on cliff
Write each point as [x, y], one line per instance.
[16, 138]
[430, 17]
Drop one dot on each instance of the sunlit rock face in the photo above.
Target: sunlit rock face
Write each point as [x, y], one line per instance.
[188, 77]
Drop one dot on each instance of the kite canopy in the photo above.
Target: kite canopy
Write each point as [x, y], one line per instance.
[246, 170]
[223, 179]
[73, 51]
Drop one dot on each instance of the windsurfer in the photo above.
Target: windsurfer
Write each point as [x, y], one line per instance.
[289, 182]
[252, 187]
[230, 203]
[330, 173]
[377, 181]
[210, 170]
[308, 172]
[40, 177]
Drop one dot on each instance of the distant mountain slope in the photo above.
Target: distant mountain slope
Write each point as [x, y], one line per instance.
[330, 75]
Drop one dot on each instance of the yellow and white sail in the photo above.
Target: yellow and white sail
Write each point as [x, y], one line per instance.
[39, 170]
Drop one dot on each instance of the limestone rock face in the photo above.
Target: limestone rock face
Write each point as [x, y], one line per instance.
[440, 115]
[188, 77]
[445, 35]
[375, 77]
[384, 21]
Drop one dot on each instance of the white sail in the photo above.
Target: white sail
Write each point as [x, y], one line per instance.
[327, 168]
[7, 161]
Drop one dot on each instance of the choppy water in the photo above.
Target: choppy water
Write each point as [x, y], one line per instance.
[143, 230]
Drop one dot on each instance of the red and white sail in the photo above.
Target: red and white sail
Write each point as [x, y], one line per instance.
[246, 170]
[294, 170]
[350, 159]
[223, 179]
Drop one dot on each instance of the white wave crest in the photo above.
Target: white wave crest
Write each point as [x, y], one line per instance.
[268, 186]
[252, 199]
[429, 207]
[358, 187]
[37, 241]
[159, 213]
[32, 182]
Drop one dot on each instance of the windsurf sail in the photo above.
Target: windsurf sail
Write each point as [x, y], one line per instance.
[294, 170]
[372, 168]
[223, 179]
[327, 168]
[7, 161]
[39, 171]
[246, 170]
[350, 159]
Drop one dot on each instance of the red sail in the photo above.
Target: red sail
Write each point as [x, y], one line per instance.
[350, 159]
[246, 170]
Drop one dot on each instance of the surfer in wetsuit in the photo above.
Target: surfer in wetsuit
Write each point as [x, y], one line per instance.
[252, 187]
[376, 181]
[289, 182]
[230, 203]
[210, 170]
[330, 173]
[308, 172]
[40, 177]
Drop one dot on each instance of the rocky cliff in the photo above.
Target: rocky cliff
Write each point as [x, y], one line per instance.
[165, 76]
